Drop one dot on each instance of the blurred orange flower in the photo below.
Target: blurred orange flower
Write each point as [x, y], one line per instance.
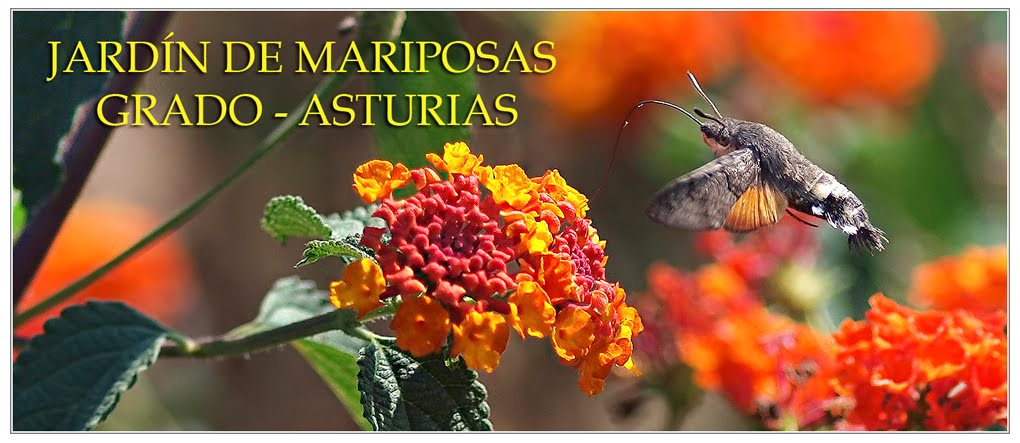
[841, 56]
[608, 61]
[762, 362]
[933, 370]
[157, 281]
[765, 364]
[974, 280]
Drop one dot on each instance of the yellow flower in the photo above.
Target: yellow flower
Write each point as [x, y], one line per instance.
[530, 310]
[421, 325]
[572, 334]
[378, 178]
[457, 159]
[481, 338]
[537, 239]
[362, 284]
[556, 186]
[509, 185]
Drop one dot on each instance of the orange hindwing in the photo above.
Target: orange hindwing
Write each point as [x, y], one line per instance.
[761, 205]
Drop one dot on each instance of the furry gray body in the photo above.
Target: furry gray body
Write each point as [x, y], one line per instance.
[750, 154]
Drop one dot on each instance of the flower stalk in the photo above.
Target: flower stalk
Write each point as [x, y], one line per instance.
[221, 346]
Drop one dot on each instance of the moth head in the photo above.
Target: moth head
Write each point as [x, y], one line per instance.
[715, 130]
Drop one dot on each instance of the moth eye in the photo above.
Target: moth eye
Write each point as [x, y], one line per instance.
[724, 140]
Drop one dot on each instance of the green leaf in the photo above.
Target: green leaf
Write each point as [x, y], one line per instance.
[402, 393]
[291, 300]
[18, 214]
[71, 377]
[44, 111]
[353, 222]
[347, 249]
[340, 371]
[331, 354]
[408, 144]
[288, 216]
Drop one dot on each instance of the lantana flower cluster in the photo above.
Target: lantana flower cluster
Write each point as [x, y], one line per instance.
[716, 322]
[485, 250]
[932, 370]
[898, 369]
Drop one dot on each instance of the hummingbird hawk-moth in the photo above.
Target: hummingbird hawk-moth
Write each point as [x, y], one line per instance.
[756, 177]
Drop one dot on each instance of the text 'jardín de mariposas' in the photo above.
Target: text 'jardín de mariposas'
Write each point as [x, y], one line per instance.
[410, 58]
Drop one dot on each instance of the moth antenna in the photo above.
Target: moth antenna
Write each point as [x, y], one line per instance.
[619, 136]
[792, 214]
[702, 93]
[704, 115]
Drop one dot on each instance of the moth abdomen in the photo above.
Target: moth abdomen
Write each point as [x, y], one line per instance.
[868, 237]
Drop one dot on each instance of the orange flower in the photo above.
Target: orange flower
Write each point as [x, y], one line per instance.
[974, 280]
[555, 276]
[362, 284]
[450, 251]
[839, 56]
[457, 159]
[510, 186]
[481, 338]
[556, 186]
[936, 370]
[636, 55]
[157, 281]
[421, 325]
[530, 310]
[572, 334]
[765, 364]
[721, 282]
[379, 178]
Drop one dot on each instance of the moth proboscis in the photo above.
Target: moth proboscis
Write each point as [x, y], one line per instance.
[757, 176]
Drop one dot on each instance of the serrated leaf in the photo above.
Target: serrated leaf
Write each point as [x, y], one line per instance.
[347, 249]
[44, 111]
[71, 377]
[339, 370]
[288, 216]
[402, 393]
[408, 144]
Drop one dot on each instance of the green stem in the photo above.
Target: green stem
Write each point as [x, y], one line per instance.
[219, 346]
[324, 88]
[383, 311]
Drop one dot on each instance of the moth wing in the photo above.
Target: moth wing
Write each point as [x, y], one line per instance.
[760, 205]
[702, 199]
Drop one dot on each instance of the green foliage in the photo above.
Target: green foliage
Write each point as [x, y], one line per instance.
[353, 222]
[408, 144]
[339, 370]
[347, 249]
[18, 214]
[45, 110]
[71, 377]
[404, 393]
[288, 216]
[291, 300]
[337, 235]
[331, 354]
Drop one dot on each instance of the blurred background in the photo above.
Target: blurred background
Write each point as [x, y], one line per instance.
[908, 109]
